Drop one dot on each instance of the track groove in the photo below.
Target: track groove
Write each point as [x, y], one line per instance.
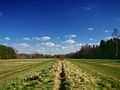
[62, 79]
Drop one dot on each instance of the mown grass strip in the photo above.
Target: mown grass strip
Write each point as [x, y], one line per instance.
[106, 79]
[41, 78]
[18, 70]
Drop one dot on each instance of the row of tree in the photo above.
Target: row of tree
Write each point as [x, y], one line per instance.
[32, 56]
[107, 49]
[7, 52]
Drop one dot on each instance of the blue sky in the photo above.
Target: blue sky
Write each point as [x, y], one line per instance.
[56, 26]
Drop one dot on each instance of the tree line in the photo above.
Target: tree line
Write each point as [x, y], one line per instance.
[108, 49]
[7, 52]
[33, 56]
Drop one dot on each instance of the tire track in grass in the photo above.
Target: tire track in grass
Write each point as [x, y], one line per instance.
[68, 77]
[60, 77]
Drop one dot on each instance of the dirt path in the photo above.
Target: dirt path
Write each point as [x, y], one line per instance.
[60, 77]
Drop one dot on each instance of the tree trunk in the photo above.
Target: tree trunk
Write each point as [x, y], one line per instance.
[116, 54]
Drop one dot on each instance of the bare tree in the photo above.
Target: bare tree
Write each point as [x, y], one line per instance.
[115, 33]
[116, 36]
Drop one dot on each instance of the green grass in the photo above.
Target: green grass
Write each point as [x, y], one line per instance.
[40, 74]
[16, 67]
[27, 74]
[106, 71]
[109, 68]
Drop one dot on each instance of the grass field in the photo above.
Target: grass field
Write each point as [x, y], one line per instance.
[102, 74]
[54, 74]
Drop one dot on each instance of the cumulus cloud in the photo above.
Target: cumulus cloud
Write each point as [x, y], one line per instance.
[94, 43]
[47, 48]
[7, 38]
[70, 48]
[40, 51]
[90, 29]
[63, 48]
[90, 39]
[70, 36]
[26, 38]
[109, 37]
[106, 31]
[70, 41]
[48, 44]
[36, 38]
[45, 38]
[20, 46]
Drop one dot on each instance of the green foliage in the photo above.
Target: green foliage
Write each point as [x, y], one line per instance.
[7, 53]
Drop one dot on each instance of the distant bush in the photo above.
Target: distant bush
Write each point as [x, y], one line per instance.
[7, 52]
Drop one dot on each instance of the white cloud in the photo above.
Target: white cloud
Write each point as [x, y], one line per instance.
[70, 41]
[109, 37]
[70, 48]
[63, 48]
[90, 29]
[47, 48]
[90, 39]
[40, 51]
[7, 38]
[26, 38]
[52, 48]
[45, 38]
[70, 36]
[36, 38]
[86, 8]
[95, 43]
[106, 31]
[20, 46]
[48, 44]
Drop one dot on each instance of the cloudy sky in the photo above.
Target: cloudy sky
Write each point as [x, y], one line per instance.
[56, 26]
